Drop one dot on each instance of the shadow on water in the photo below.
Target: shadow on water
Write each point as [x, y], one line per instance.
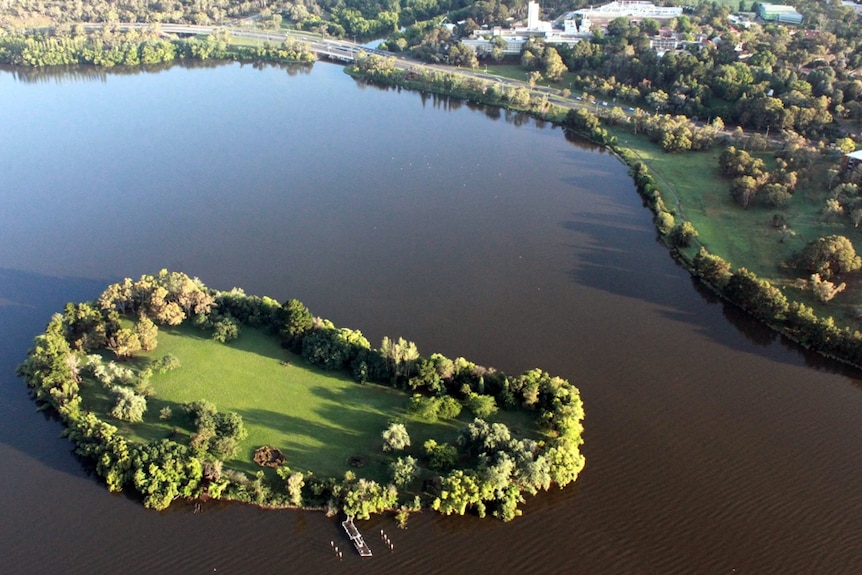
[612, 259]
[27, 301]
[608, 261]
[760, 335]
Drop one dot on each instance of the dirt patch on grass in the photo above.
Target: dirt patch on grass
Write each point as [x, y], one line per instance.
[267, 456]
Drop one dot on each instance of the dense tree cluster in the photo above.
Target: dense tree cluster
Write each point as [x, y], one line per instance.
[104, 48]
[110, 47]
[537, 56]
[828, 257]
[216, 434]
[341, 18]
[333, 348]
[750, 181]
[589, 125]
[676, 133]
[505, 469]
[844, 201]
[166, 298]
[163, 471]
[763, 77]
[362, 497]
[434, 408]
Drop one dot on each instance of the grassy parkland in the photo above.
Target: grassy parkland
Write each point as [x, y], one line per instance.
[172, 390]
[319, 419]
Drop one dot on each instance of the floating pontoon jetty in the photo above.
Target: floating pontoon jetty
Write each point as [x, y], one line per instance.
[356, 537]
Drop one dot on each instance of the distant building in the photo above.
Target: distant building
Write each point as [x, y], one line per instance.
[534, 20]
[778, 13]
[570, 34]
[669, 41]
[852, 159]
[854, 5]
[575, 26]
[632, 10]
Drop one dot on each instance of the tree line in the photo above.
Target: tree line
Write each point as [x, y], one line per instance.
[110, 47]
[382, 70]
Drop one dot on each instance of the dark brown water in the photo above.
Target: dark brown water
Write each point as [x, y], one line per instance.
[712, 446]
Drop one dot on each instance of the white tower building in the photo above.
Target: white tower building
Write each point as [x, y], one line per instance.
[533, 16]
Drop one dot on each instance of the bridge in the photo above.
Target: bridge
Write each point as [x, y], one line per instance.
[331, 49]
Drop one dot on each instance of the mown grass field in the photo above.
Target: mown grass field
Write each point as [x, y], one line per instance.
[318, 419]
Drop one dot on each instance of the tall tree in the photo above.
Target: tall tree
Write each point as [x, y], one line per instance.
[124, 343]
[829, 256]
[553, 67]
[147, 333]
[395, 437]
[295, 321]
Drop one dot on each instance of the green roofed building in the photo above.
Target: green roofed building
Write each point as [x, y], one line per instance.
[778, 13]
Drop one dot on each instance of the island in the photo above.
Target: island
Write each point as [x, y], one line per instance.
[171, 390]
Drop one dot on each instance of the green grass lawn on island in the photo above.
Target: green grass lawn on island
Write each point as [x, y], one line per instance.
[318, 419]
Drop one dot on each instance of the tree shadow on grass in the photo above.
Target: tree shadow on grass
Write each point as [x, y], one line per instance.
[389, 405]
[272, 349]
[321, 448]
[356, 420]
[251, 340]
[185, 330]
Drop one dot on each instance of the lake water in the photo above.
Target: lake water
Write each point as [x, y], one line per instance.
[712, 446]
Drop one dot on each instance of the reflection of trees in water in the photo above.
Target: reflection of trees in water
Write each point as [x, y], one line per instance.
[760, 335]
[57, 74]
[83, 74]
[517, 118]
[582, 143]
[292, 69]
[753, 330]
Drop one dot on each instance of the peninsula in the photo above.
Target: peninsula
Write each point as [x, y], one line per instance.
[170, 389]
